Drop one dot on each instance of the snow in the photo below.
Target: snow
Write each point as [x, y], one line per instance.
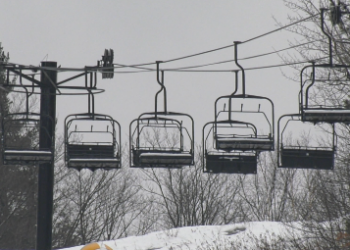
[27, 152]
[326, 111]
[235, 139]
[204, 237]
[95, 159]
[159, 154]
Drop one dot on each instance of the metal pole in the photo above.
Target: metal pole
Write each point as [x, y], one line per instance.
[46, 170]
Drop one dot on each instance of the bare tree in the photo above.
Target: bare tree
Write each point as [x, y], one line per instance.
[187, 197]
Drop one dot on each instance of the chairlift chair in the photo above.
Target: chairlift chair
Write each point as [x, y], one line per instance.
[291, 155]
[21, 135]
[161, 139]
[244, 135]
[224, 157]
[237, 143]
[329, 112]
[20, 140]
[321, 112]
[92, 141]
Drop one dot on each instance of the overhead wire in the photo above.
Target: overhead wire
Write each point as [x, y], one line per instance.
[246, 58]
[187, 69]
[143, 69]
[197, 54]
[251, 68]
[246, 41]
[280, 28]
[229, 46]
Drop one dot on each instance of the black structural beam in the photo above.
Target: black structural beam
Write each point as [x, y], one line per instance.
[46, 171]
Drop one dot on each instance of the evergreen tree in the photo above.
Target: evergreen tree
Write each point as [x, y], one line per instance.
[18, 184]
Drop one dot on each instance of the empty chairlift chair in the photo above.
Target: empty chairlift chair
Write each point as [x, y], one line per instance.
[314, 106]
[298, 155]
[161, 140]
[237, 139]
[20, 140]
[92, 141]
[223, 157]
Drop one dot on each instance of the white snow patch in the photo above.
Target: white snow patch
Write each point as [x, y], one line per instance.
[203, 237]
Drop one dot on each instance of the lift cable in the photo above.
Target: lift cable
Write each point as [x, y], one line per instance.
[251, 39]
[95, 68]
[280, 28]
[197, 54]
[142, 69]
[246, 58]
[252, 68]
[187, 69]
[190, 68]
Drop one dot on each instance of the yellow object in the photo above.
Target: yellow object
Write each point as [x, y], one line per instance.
[96, 246]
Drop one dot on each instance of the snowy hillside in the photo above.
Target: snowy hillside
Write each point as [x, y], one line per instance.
[203, 237]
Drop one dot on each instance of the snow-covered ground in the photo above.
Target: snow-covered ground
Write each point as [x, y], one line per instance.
[204, 237]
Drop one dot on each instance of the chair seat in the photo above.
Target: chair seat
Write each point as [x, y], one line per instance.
[307, 158]
[230, 163]
[326, 115]
[244, 143]
[94, 163]
[24, 157]
[162, 158]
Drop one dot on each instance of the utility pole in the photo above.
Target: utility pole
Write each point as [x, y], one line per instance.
[46, 170]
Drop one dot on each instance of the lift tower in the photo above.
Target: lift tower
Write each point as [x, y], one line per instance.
[46, 170]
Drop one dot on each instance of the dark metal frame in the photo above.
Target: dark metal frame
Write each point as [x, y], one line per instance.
[319, 113]
[240, 154]
[49, 88]
[19, 155]
[160, 157]
[95, 155]
[90, 84]
[303, 157]
[227, 160]
[259, 145]
[330, 114]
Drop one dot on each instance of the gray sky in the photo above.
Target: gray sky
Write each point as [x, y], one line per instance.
[75, 34]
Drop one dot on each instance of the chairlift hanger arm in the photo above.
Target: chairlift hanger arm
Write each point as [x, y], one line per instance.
[236, 82]
[328, 36]
[161, 83]
[242, 69]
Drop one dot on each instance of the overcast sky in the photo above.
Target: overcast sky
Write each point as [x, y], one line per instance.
[75, 34]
